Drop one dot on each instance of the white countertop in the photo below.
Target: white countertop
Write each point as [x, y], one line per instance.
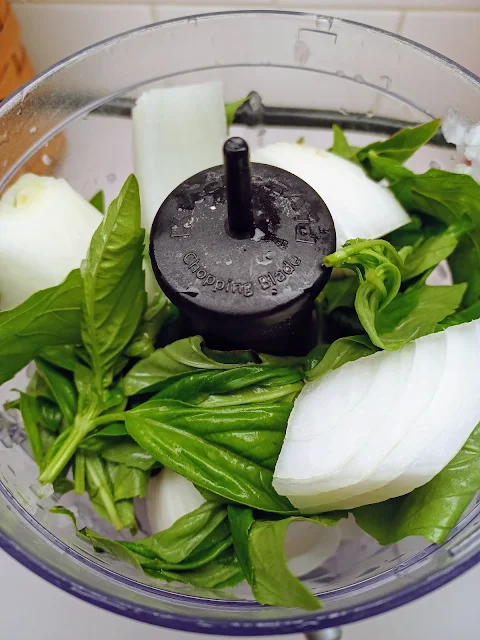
[32, 608]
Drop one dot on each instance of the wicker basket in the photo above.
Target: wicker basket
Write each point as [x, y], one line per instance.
[15, 70]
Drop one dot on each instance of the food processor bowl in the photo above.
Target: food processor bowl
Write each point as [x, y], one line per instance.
[309, 71]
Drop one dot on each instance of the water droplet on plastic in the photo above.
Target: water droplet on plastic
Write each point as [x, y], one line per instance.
[433, 164]
[340, 73]
[370, 114]
[46, 159]
[358, 78]
[111, 177]
[19, 112]
[323, 24]
[33, 129]
[343, 111]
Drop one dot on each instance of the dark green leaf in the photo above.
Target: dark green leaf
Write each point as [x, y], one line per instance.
[341, 146]
[227, 450]
[416, 313]
[62, 388]
[128, 453]
[159, 312]
[410, 235]
[79, 473]
[339, 353]
[98, 201]
[401, 146]
[126, 482]
[467, 315]
[465, 266]
[259, 545]
[430, 511]
[49, 415]
[103, 438]
[114, 284]
[338, 293]
[177, 359]
[231, 109]
[64, 356]
[100, 491]
[29, 411]
[48, 318]
[428, 255]
[245, 385]
[176, 544]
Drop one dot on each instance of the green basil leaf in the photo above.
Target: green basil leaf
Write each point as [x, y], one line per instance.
[231, 109]
[39, 388]
[465, 266]
[341, 146]
[127, 482]
[100, 491]
[49, 415]
[103, 438]
[338, 293]
[64, 356]
[126, 513]
[48, 318]
[179, 541]
[159, 312]
[429, 254]
[62, 388]
[401, 146]
[430, 511]
[259, 545]
[416, 313]
[228, 450]
[114, 284]
[241, 521]
[175, 360]
[467, 315]
[249, 384]
[339, 353]
[410, 235]
[129, 454]
[29, 411]
[98, 201]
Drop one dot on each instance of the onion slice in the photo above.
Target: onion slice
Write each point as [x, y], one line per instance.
[381, 426]
[177, 132]
[360, 207]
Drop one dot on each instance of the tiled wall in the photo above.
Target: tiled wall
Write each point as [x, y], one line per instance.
[54, 30]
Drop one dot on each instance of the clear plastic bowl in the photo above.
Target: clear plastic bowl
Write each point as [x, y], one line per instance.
[366, 78]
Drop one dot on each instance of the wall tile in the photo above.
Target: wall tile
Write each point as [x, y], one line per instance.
[52, 32]
[455, 34]
[388, 20]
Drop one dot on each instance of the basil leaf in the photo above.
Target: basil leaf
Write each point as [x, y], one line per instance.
[430, 511]
[100, 491]
[401, 146]
[176, 543]
[249, 384]
[341, 146]
[177, 359]
[114, 284]
[29, 411]
[410, 235]
[101, 439]
[48, 318]
[339, 353]
[79, 473]
[231, 109]
[63, 389]
[416, 313]
[338, 293]
[127, 483]
[38, 387]
[64, 356]
[159, 312]
[259, 545]
[129, 454]
[467, 315]
[98, 201]
[465, 266]
[229, 450]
